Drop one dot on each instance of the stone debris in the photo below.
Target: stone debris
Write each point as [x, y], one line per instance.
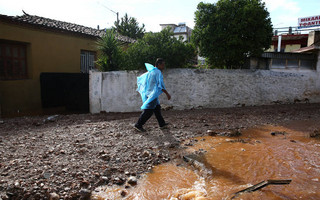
[52, 118]
[166, 107]
[196, 161]
[244, 141]
[230, 133]
[79, 152]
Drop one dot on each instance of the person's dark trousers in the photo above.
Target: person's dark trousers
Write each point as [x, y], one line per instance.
[147, 113]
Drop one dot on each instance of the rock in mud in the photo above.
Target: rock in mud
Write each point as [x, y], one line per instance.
[278, 133]
[105, 157]
[54, 196]
[123, 193]
[146, 153]
[119, 181]
[212, 132]
[85, 194]
[132, 180]
[315, 134]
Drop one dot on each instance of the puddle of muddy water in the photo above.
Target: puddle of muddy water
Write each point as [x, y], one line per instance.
[228, 165]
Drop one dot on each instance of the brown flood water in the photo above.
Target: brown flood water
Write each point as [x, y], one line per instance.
[229, 165]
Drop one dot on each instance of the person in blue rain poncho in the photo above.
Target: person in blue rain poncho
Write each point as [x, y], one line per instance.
[150, 86]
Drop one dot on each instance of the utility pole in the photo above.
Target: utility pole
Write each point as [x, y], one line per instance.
[279, 42]
[117, 17]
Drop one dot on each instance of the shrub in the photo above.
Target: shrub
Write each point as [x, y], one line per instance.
[175, 52]
[110, 57]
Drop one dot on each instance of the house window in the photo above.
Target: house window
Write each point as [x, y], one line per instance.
[13, 61]
[87, 61]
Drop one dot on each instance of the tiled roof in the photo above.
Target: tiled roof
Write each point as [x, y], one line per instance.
[56, 25]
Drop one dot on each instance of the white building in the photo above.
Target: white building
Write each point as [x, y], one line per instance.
[180, 30]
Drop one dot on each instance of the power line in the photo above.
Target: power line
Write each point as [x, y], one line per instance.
[117, 13]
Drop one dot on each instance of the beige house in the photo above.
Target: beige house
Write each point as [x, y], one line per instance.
[31, 45]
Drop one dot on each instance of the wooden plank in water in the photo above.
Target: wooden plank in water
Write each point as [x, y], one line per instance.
[262, 185]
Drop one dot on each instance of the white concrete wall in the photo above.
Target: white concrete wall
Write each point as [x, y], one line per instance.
[193, 88]
[318, 62]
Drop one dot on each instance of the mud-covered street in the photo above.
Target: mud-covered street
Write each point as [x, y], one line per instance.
[68, 156]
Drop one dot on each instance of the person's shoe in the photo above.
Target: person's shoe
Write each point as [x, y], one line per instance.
[164, 126]
[140, 129]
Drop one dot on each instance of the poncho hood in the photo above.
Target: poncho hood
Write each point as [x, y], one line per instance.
[149, 67]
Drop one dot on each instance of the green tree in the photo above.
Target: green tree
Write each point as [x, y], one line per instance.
[230, 31]
[109, 47]
[128, 26]
[155, 45]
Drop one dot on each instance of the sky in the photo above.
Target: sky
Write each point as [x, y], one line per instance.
[152, 13]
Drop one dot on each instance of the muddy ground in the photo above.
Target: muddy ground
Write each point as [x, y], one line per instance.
[68, 156]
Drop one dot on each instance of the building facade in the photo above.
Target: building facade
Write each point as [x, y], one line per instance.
[180, 30]
[31, 45]
[288, 42]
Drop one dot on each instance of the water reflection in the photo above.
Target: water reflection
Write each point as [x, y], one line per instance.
[228, 165]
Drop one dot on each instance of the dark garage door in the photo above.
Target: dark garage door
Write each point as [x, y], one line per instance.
[70, 90]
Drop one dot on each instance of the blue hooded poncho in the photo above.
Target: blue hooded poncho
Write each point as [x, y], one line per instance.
[150, 86]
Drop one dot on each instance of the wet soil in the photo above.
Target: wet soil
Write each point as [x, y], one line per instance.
[68, 156]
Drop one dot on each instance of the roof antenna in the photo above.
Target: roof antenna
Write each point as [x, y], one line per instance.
[25, 13]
